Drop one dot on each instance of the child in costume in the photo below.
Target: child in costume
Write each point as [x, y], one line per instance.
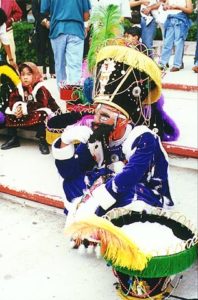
[28, 107]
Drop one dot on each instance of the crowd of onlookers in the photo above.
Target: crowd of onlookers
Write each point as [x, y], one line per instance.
[63, 41]
[171, 16]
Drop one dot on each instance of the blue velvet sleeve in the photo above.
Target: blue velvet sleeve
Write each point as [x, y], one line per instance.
[81, 162]
[137, 166]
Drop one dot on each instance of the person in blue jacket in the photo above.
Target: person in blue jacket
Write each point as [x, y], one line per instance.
[117, 162]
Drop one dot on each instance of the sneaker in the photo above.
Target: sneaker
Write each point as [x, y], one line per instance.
[43, 146]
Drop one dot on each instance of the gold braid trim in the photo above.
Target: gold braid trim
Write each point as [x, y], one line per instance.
[137, 60]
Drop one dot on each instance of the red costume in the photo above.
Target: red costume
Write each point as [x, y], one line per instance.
[36, 102]
[12, 11]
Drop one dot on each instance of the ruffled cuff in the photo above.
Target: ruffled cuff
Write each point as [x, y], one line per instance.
[104, 198]
[66, 152]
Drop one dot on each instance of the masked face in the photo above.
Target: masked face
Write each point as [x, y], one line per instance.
[106, 116]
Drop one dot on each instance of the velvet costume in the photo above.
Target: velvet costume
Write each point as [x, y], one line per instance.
[36, 106]
[144, 176]
[35, 100]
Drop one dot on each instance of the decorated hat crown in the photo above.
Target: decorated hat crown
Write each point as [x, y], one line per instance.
[126, 79]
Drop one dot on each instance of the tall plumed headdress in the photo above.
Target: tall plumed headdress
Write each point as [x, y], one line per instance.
[126, 79]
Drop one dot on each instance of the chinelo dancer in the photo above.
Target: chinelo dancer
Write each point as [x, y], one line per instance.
[118, 161]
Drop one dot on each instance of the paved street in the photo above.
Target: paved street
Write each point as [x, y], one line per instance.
[36, 262]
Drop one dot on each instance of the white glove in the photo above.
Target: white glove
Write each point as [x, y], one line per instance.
[76, 133]
[86, 209]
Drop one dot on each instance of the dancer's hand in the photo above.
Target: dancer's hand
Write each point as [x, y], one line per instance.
[76, 134]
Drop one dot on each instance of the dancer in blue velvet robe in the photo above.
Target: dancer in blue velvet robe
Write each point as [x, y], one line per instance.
[117, 162]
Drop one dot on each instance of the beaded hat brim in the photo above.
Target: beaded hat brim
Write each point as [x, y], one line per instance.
[119, 70]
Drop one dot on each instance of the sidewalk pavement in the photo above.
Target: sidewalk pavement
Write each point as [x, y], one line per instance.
[37, 263]
[184, 79]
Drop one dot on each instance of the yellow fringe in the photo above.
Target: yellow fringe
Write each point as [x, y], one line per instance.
[9, 72]
[115, 245]
[51, 136]
[138, 60]
[124, 297]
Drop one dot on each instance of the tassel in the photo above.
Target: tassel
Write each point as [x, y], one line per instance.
[98, 251]
[81, 249]
[90, 249]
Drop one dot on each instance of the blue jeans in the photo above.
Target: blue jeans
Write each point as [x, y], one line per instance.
[173, 37]
[68, 56]
[148, 33]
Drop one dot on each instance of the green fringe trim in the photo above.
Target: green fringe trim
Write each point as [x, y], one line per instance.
[162, 266]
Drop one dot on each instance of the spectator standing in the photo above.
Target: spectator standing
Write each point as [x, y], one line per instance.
[23, 6]
[175, 32]
[148, 23]
[4, 38]
[14, 14]
[67, 34]
[43, 46]
[160, 15]
[195, 68]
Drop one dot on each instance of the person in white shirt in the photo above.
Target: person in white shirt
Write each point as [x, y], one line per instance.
[176, 29]
[4, 39]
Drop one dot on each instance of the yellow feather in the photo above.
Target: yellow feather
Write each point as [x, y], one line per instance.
[116, 247]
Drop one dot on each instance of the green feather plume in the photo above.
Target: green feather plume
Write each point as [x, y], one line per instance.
[106, 25]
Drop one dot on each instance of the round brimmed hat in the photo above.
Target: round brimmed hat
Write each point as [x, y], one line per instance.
[126, 79]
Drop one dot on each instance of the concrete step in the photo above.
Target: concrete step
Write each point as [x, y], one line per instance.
[189, 47]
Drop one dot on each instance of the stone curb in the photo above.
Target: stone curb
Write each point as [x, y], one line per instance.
[181, 87]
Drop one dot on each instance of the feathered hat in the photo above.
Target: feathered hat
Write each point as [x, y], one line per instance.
[127, 80]
[9, 80]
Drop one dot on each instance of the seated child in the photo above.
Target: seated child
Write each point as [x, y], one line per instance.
[28, 107]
